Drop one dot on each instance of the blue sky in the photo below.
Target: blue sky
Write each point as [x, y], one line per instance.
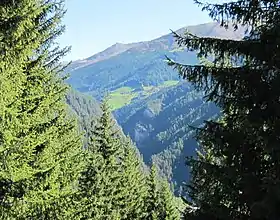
[94, 25]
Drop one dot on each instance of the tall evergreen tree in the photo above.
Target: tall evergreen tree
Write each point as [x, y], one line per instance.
[106, 136]
[39, 145]
[169, 211]
[152, 201]
[160, 200]
[133, 184]
[100, 183]
[237, 174]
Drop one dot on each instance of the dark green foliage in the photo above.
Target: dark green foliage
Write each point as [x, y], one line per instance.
[86, 109]
[136, 64]
[100, 182]
[166, 136]
[236, 175]
[169, 210]
[40, 146]
[133, 184]
[112, 186]
[83, 106]
[160, 203]
[153, 199]
[106, 139]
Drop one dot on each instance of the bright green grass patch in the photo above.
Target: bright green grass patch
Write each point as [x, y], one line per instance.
[118, 101]
[121, 97]
[170, 83]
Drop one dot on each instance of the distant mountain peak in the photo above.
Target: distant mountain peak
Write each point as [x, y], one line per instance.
[210, 29]
[118, 44]
[165, 42]
[111, 51]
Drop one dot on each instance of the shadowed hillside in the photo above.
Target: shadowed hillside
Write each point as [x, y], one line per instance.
[150, 102]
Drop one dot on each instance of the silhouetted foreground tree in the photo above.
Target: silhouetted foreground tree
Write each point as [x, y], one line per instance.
[236, 175]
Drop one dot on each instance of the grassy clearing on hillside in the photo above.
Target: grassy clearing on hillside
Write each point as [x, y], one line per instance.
[170, 83]
[117, 101]
[123, 96]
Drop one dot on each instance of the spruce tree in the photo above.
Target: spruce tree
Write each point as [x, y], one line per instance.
[236, 176]
[133, 184]
[153, 199]
[39, 145]
[169, 211]
[100, 182]
[106, 136]
[160, 200]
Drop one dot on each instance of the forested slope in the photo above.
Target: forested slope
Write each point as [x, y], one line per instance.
[150, 102]
[51, 166]
[161, 127]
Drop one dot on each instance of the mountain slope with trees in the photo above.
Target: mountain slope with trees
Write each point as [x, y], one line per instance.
[47, 171]
[114, 183]
[137, 64]
[151, 104]
[161, 127]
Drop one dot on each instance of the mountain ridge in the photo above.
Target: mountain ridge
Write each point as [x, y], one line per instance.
[210, 29]
[151, 103]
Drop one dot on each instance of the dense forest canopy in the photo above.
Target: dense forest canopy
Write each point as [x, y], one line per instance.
[63, 154]
[148, 99]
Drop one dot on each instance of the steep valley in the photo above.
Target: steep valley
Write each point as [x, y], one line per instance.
[149, 100]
